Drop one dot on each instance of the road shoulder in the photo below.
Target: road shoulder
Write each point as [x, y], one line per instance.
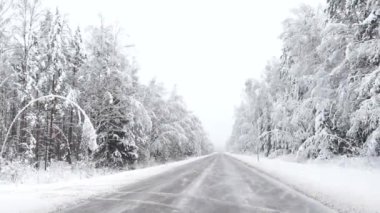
[343, 189]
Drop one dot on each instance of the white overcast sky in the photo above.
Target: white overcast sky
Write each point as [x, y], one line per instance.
[207, 48]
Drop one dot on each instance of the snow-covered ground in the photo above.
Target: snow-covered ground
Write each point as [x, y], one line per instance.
[51, 197]
[348, 185]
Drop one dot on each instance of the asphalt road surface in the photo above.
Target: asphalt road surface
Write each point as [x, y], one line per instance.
[218, 183]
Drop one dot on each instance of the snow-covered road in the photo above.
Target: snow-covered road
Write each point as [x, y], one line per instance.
[218, 183]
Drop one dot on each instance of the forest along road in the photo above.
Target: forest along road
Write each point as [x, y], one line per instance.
[218, 183]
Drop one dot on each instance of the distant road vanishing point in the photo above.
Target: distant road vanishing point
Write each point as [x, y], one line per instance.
[218, 183]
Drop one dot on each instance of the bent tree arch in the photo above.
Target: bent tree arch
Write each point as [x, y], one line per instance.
[89, 133]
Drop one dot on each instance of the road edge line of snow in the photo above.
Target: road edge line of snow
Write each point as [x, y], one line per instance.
[55, 197]
[280, 182]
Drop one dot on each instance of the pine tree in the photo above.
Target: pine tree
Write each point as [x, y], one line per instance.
[24, 63]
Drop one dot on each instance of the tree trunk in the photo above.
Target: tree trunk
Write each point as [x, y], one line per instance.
[79, 139]
[37, 144]
[269, 141]
[47, 141]
[51, 140]
[70, 136]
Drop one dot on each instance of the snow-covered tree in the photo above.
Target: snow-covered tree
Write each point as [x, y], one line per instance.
[52, 80]
[321, 95]
[24, 63]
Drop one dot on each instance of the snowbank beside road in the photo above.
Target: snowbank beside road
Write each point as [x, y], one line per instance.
[51, 197]
[346, 188]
